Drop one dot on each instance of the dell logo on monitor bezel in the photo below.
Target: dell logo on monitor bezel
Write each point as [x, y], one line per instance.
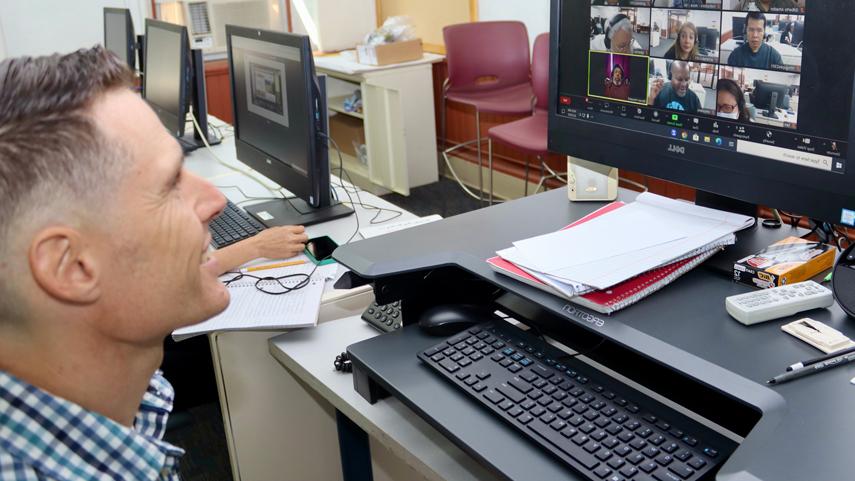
[676, 149]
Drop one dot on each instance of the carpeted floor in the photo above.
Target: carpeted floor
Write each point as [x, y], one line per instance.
[199, 429]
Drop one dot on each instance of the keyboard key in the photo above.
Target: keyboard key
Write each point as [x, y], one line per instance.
[515, 411]
[576, 421]
[479, 387]
[638, 444]
[539, 383]
[665, 476]
[557, 425]
[535, 394]
[493, 396]
[555, 407]
[636, 458]
[681, 470]
[537, 411]
[603, 471]
[569, 432]
[528, 376]
[547, 418]
[581, 439]
[690, 441]
[437, 357]
[683, 455]
[549, 389]
[626, 436]
[557, 440]
[664, 459]
[456, 357]
[543, 371]
[525, 362]
[622, 451]
[710, 452]
[657, 440]
[603, 454]
[566, 414]
[598, 435]
[476, 356]
[510, 393]
[464, 362]
[449, 365]
[610, 442]
[650, 418]
[644, 432]
[697, 463]
[470, 381]
[505, 362]
[602, 422]
[650, 452]
[616, 463]
[505, 405]
[629, 471]
[528, 404]
[587, 428]
[560, 395]
[525, 418]
[670, 447]
[648, 466]
[592, 446]
[515, 368]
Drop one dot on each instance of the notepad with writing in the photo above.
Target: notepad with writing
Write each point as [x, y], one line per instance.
[251, 309]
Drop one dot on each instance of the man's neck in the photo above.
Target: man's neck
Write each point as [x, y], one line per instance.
[108, 378]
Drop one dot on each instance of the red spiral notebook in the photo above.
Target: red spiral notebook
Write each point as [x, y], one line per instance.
[620, 295]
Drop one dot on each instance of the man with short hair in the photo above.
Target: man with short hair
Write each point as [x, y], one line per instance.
[676, 95]
[755, 52]
[103, 253]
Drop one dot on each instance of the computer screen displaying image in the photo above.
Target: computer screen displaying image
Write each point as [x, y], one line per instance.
[266, 89]
[768, 98]
[618, 77]
[764, 41]
[682, 86]
[620, 29]
[691, 35]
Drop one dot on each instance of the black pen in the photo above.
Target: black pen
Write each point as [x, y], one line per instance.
[813, 368]
[815, 360]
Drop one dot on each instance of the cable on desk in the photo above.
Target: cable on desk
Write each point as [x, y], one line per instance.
[248, 173]
[341, 169]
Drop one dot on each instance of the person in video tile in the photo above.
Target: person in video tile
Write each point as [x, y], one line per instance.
[676, 95]
[617, 36]
[730, 101]
[755, 53]
[686, 46]
[617, 85]
[767, 5]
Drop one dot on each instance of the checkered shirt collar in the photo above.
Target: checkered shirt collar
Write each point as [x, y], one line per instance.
[67, 442]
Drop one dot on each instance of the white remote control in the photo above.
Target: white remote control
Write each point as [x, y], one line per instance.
[777, 302]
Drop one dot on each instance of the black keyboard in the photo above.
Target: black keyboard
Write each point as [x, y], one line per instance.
[233, 225]
[597, 425]
[386, 318]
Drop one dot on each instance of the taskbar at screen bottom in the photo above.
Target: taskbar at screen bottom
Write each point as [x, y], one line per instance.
[784, 146]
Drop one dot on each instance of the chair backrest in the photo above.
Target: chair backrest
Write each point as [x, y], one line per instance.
[486, 55]
[540, 70]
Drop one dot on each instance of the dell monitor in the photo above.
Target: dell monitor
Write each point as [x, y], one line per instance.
[280, 123]
[174, 82]
[686, 129]
[119, 35]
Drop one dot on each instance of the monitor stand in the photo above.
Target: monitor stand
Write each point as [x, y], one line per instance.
[199, 104]
[295, 212]
[748, 241]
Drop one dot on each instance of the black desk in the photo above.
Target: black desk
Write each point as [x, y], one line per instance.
[800, 430]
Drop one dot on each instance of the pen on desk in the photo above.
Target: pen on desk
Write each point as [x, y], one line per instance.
[812, 369]
[815, 360]
[274, 266]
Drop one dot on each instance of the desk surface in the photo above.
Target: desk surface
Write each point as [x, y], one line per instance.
[684, 329]
[307, 353]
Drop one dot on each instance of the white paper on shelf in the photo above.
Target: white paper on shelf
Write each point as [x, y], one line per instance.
[565, 287]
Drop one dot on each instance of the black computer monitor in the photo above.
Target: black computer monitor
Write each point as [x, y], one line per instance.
[770, 96]
[800, 161]
[174, 82]
[119, 35]
[738, 28]
[280, 123]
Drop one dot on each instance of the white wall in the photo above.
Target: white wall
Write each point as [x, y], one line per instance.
[40, 27]
[533, 13]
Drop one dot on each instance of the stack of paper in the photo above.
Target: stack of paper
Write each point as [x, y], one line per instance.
[646, 244]
[252, 309]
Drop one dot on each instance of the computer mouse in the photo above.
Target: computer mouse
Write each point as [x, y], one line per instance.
[448, 319]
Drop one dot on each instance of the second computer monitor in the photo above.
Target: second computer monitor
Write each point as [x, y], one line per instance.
[280, 122]
[119, 35]
[165, 82]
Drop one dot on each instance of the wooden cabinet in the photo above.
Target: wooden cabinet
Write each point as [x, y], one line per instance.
[219, 90]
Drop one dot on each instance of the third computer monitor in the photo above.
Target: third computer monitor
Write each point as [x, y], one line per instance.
[167, 70]
[280, 123]
[750, 99]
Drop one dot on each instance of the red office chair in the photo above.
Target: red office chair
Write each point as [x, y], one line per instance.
[488, 69]
[529, 135]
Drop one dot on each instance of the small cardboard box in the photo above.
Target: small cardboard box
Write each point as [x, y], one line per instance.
[346, 130]
[787, 261]
[390, 53]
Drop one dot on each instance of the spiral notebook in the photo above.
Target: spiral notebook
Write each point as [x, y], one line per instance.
[251, 309]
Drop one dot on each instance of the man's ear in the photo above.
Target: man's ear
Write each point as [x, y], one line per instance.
[63, 266]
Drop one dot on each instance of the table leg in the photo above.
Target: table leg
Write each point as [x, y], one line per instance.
[354, 450]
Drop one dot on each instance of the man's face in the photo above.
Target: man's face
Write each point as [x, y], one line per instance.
[622, 42]
[680, 80]
[617, 78]
[755, 33]
[157, 275]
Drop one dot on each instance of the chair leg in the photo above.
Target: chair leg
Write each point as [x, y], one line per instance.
[542, 173]
[443, 128]
[490, 164]
[480, 161]
[525, 179]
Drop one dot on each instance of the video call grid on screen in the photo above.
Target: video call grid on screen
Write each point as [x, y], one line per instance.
[692, 44]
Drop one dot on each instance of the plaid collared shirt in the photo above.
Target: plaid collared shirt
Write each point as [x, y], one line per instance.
[43, 437]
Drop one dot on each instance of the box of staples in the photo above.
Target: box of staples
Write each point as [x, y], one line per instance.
[787, 261]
